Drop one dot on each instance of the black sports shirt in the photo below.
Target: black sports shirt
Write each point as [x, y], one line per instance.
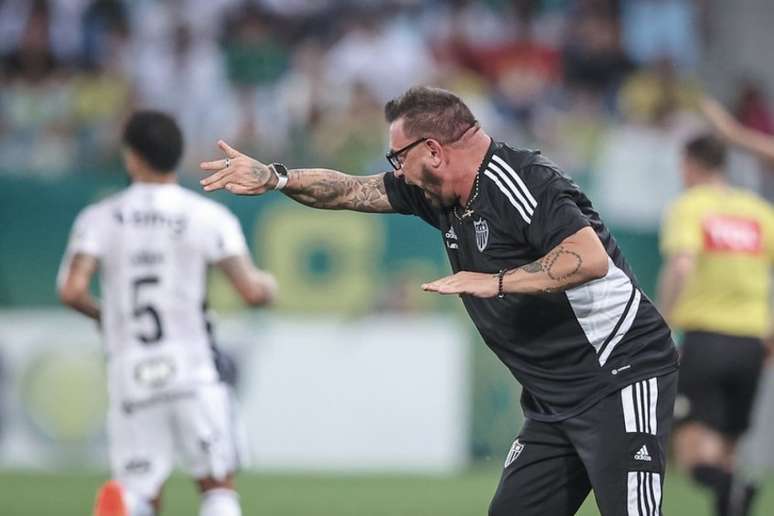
[567, 349]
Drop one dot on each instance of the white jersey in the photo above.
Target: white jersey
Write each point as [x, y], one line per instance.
[154, 243]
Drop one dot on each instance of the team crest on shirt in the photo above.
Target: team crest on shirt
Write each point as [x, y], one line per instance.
[482, 234]
[514, 453]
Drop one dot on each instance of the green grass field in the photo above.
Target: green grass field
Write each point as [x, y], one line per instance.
[35, 494]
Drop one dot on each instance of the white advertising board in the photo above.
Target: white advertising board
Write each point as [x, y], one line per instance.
[382, 393]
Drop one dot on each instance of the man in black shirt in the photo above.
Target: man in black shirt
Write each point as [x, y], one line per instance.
[545, 284]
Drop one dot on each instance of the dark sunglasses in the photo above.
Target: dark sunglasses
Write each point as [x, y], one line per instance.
[394, 157]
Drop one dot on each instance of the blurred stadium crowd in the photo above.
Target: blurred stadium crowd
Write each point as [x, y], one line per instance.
[593, 81]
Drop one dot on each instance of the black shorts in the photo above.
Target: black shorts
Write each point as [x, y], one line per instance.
[718, 380]
[617, 448]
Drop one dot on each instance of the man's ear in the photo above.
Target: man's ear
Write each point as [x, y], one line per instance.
[436, 151]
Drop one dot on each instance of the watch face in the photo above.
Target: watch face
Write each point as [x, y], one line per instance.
[281, 169]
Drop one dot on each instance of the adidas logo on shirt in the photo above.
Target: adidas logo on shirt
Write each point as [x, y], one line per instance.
[643, 454]
[451, 235]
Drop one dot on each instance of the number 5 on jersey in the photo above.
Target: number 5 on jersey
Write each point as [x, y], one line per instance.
[146, 310]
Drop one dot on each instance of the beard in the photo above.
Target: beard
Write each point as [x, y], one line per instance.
[429, 180]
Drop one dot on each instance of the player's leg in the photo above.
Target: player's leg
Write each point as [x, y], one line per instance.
[746, 370]
[141, 457]
[701, 411]
[706, 455]
[219, 497]
[542, 475]
[717, 386]
[208, 444]
[622, 441]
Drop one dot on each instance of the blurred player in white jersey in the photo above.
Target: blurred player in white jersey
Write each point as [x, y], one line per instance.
[152, 244]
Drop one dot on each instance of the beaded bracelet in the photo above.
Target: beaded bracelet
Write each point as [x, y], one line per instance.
[500, 274]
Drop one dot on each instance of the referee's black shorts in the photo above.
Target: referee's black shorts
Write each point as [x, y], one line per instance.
[617, 447]
[718, 381]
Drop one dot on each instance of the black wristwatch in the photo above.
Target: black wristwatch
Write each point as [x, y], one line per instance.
[281, 171]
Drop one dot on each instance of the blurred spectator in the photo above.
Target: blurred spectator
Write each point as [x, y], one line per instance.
[36, 102]
[303, 80]
[641, 154]
[256, 57]
[105, 33]
[658, 29]
[380, 50]
[573, 132]
[654, 93]
[350, 140]
[59, 19]
[593, 57]
[752, 109]
[32, 58]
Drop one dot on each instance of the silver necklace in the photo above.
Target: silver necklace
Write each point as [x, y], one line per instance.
[468, 211]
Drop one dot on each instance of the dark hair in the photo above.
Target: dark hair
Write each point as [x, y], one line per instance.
[707, 150]
[430, 112]
[156, 138]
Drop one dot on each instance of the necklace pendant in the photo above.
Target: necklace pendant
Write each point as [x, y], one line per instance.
[467, 213]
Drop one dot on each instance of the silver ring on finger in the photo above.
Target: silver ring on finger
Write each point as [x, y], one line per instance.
[228, 162]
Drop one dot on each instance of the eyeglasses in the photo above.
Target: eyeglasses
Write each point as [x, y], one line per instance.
[394, 157]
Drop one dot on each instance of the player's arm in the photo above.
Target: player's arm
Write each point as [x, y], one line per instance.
[672, 279]
[315, 187]
[735, 133]
[256, 287]
[681, 241]
[74, 285]
[578, 259]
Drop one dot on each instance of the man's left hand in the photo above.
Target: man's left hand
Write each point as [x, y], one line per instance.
[477, 284]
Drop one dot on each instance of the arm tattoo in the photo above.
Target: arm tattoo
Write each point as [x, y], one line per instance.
[328, 189]
[571, 260]
[533, 267]
[559, 265]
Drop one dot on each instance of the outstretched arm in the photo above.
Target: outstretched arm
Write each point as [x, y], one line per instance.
[329, 189]
[578, 259]
[735, 133]
[316, 187]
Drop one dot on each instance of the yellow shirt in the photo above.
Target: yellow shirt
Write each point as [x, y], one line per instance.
[731, 234]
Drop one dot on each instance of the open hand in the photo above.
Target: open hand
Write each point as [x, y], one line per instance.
[238, 173]
[477, 284]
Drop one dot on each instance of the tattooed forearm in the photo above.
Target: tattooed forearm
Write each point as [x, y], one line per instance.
[329, 189]
[561, 270]
[561, 264]
[579, 259]
[533, 267]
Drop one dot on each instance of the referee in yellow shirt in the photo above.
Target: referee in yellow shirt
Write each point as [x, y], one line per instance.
[718, 244]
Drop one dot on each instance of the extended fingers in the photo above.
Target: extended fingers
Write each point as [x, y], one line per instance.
[217, 180]
[238, 189]
[218, 164]
[442, 286]
[230, 151]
